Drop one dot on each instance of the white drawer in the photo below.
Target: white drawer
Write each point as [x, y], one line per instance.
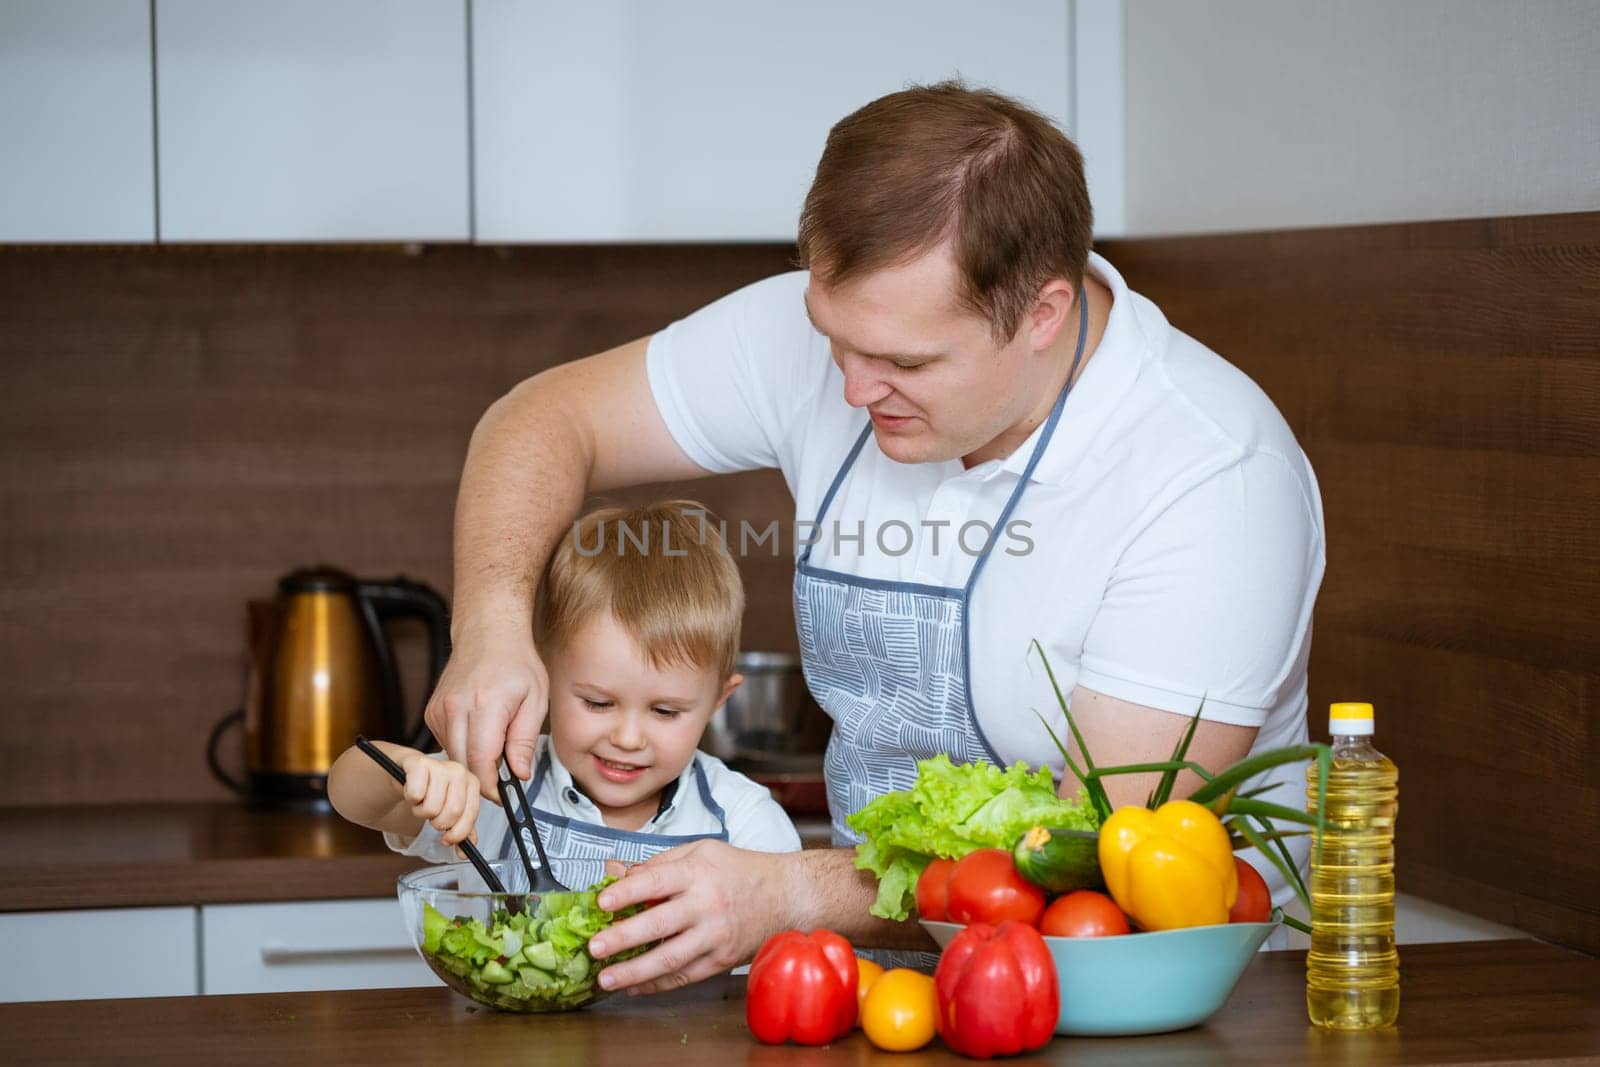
[334, 944]
[116, 952]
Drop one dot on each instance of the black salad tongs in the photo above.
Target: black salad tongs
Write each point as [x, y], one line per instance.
[540, 878]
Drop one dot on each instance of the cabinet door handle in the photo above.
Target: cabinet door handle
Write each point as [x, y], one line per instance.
[276, 954]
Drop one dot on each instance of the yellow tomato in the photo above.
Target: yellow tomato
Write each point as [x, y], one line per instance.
[900, 1012]
[868, 972]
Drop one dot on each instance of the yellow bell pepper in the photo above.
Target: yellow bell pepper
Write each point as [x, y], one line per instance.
[1169, 868]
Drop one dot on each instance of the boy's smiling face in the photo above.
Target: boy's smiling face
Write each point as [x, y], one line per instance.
[623, 726]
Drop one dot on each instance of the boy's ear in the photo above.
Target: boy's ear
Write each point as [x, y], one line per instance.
[734, 681]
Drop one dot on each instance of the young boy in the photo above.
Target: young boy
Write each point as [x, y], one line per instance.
[638, 622]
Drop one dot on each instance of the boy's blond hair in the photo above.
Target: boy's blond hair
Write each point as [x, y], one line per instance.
[661, 570]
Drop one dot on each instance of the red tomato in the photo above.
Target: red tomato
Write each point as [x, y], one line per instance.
[984, 887]
[933, 901]
[1083, 914]
[1254, 903]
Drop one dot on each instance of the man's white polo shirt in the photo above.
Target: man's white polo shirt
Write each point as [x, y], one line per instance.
[1171, 544]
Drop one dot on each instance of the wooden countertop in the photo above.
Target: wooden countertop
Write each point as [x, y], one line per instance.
[138, 856]
[1465, 1003]
[148, 855]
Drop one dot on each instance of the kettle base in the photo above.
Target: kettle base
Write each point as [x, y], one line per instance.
[290, 792]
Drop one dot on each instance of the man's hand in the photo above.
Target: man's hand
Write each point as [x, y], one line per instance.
[492, 697]
[715, 905]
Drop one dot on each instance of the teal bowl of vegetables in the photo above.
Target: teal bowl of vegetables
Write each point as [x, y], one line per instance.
[1144, 982]
[513, 951]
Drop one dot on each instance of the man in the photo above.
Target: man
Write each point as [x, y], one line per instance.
[953, 364]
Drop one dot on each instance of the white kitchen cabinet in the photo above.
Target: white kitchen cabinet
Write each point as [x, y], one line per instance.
[76, 121]
[616, 120]
[115, 952]
[332, 944]
[313, 120]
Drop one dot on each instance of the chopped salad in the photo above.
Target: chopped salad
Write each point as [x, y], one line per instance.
[531, 961]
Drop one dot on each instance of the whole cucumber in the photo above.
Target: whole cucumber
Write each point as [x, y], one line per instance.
[1059, 860]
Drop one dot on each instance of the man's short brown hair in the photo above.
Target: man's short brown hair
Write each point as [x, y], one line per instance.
[932, 162]
[660, 570]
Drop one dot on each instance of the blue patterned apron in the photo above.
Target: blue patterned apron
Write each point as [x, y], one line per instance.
[888, 661]
[578, 850]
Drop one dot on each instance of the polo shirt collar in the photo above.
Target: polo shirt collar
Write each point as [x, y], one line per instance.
[574, 798]
[1110, 373]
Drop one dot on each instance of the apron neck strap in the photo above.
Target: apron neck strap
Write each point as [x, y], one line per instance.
[1043, 442]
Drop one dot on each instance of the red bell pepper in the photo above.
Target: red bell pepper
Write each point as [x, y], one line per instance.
[997, 991]
[802, 989]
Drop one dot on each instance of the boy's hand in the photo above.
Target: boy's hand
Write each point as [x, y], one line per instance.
[444, 793]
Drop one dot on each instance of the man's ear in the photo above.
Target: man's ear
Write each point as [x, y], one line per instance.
[734, 681]
[1051, 312]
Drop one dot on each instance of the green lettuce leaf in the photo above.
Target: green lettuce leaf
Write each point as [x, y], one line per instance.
[950, 811]
[434, 925]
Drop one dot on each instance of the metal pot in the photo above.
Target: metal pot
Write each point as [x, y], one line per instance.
[771, 715]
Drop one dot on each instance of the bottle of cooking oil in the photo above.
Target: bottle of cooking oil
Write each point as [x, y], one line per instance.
[1353, 970]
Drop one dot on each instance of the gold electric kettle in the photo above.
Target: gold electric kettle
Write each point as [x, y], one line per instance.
[322, 670]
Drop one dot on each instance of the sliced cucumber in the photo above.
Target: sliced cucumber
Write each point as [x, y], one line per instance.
[541, 954]
[495, 973]
[535, 979]
[576, 969]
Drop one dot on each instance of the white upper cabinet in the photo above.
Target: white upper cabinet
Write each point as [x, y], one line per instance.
[616, 120]
[606, 120]
[75, 121]
[309, 120]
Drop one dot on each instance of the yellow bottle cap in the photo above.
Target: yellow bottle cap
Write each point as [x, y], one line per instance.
[1350, 717]
[1349, 710]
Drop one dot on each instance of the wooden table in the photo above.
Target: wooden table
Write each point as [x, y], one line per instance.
[149, 855]
[1466, 1003]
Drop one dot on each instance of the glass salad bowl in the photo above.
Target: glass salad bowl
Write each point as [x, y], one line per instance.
[513, 951]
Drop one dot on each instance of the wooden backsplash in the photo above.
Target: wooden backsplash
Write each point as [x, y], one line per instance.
[183, 425]
[180, 426]
[1444, 378]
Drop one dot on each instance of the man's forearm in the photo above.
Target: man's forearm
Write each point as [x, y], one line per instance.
[826, 891]
[524, 481]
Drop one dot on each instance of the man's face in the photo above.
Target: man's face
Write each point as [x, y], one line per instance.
[930, 373]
